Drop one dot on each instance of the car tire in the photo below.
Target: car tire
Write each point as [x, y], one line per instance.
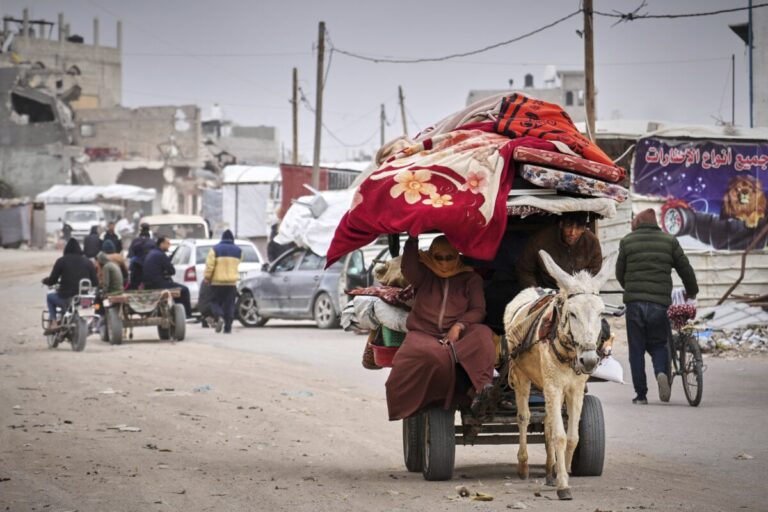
[247, 311]
[324, 313]
[179, 326]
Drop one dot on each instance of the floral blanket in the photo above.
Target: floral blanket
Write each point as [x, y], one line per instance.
[456, 183]
[611, 173]
[573, 183]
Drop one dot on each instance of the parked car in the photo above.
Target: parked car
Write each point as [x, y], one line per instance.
[177, 227]
[296, 287]
[82, 218]
[189, 261]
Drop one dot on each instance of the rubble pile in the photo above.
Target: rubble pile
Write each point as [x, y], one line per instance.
[741, 340]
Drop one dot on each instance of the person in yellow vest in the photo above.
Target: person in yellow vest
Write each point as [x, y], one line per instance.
[222, 274]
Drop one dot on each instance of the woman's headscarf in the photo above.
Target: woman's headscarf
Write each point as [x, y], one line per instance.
[645, 217]
[443, 259]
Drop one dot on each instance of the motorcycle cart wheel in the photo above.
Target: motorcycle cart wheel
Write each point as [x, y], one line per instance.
[247, 311]
[413, 437]
[114, 326]
[590, 452]
[179, 322]
[439, 444]
[692, 370]
[324, 313]
[104, 329]
[52, 340]
[164, 333]
[79, 333]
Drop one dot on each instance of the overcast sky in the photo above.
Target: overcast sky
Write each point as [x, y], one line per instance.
[240, 53]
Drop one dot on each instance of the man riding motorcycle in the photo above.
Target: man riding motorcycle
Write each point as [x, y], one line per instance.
[67, 272]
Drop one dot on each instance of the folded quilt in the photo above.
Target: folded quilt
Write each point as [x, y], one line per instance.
[573, 183]
[398, 297]
[521, 116]
[455, 183]
[611, 173]
[558, 205]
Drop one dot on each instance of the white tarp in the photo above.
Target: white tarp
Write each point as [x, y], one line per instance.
[251, 174]
[88, 193]
[300, 227]
[245, 209]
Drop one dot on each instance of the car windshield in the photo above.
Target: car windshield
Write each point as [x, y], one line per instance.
[178, 231]
[81, 216]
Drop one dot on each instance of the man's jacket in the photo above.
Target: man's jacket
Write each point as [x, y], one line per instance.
[222, 262]
[157, 269]
[70, 269]
[647, 256]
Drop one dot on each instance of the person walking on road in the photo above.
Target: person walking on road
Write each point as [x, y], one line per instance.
[92, 243]
[644, 269]
[222, 274]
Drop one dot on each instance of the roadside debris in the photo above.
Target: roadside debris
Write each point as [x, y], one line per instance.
[742, 340]
[464, 492]
[743, 456]
[202, 389]
[124, 428]
[518, 505]
[297, 394]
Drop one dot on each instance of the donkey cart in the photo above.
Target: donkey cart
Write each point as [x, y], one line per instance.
[141, 308]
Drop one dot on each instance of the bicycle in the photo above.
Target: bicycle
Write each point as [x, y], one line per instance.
[685, 360]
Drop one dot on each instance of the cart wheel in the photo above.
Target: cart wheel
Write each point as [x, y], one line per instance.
[590, 452]
[692, 370]
[164, 333]
[413, 437]
[79, 333]
[52, 340]
[114, 326]
[179, 325]
[439, 444]
[103, 329]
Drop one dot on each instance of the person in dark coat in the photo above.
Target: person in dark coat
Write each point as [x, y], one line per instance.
[158, 270]
[570, 244]
[446, 342]
[92, 243]
[112, 236]
[644, 269]
[67, 273]
[140, 247]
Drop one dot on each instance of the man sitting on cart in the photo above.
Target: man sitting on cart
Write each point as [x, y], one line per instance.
[157, 271]
[67, 273]
[446, 341]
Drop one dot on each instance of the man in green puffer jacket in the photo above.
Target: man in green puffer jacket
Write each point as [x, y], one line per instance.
[644, 269]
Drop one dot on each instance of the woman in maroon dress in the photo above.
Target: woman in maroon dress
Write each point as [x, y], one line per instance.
[444, 331]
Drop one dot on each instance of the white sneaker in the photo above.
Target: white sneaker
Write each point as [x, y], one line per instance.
[664, 390]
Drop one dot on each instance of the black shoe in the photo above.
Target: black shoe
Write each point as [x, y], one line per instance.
[640, 401]
[482, 401]
[227, 330]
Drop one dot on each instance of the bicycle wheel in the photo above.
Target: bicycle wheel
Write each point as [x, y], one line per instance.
[692, 370]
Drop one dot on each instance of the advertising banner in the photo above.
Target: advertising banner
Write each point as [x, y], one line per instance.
[713, 192]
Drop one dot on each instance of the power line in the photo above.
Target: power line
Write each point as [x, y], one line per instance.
[632, 16]
[456, 55]
[308, 106]
[216, 55]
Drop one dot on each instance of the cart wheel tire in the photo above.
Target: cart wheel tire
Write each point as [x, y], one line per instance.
[79, 333]
[590, 452]
[247, 312]
[692, 370]
[413, 437]
[164, 333]
[52, 341]
[104, 329]
[179, 328]
[324, 313]
[439, 444]
[114, 326]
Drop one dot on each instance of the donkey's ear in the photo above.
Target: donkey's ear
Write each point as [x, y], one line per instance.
[564, 279]
[609, 264]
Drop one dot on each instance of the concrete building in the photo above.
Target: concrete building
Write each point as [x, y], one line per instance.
[759, 63]
[36, 132]
[565, 88]
[251, 145]
[95, 68]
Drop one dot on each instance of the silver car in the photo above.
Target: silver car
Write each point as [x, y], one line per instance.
[297, 287]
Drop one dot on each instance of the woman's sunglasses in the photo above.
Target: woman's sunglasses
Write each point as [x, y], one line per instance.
[444, 258]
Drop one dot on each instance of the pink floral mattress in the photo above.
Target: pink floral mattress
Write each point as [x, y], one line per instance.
[611, 173]
[573, 183]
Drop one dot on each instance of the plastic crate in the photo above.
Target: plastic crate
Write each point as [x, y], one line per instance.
[392, 338]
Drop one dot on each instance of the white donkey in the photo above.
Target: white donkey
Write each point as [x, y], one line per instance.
[559, 365]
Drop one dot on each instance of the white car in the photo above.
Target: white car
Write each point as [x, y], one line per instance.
[176, 227]
[189, 262]
[83, 217]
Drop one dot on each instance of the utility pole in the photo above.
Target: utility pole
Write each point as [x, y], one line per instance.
[589, 69]
[383, 121]
[402, 109]
[749, 51]
[733, 89]
[295, 106]
[318, 106]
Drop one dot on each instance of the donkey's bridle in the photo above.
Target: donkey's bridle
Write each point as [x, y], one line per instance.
[563, 334]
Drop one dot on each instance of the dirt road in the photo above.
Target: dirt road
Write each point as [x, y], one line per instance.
[284, 418]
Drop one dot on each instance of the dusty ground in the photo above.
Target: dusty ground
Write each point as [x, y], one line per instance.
[284, 418]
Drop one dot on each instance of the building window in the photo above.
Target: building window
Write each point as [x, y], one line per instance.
[87, 130]
[581, 98]
[569, 98]
[35, 111]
